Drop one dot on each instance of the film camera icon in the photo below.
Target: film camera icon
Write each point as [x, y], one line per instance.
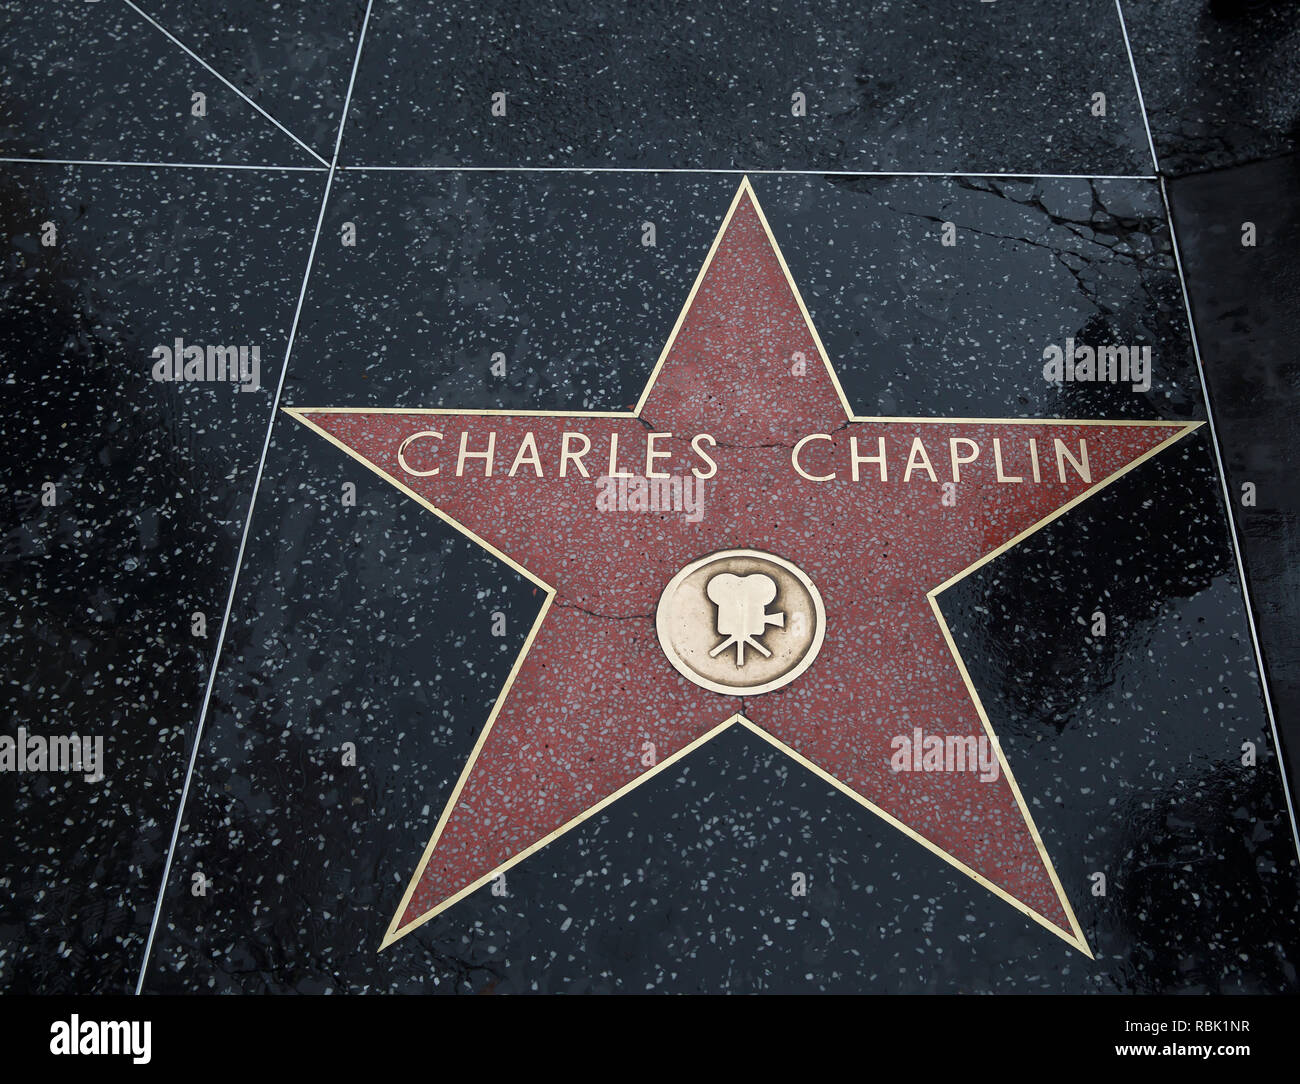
[731, 600]
[742, 612]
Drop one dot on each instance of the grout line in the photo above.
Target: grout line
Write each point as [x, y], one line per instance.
[248, 519]
[176, 41]
[1218, 451]
[157, 165]
[578, 169]
[752, 172]
[1137, 85]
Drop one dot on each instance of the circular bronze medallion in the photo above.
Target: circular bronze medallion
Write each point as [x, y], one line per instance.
[741, 622]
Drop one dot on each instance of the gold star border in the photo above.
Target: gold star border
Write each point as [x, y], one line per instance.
[1074, 937]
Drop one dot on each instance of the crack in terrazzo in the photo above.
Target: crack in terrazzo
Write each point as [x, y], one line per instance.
[775, 444]
[1115, 229]
[608, 617]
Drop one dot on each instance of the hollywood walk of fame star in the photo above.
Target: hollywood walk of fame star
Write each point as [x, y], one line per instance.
[877, 527]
